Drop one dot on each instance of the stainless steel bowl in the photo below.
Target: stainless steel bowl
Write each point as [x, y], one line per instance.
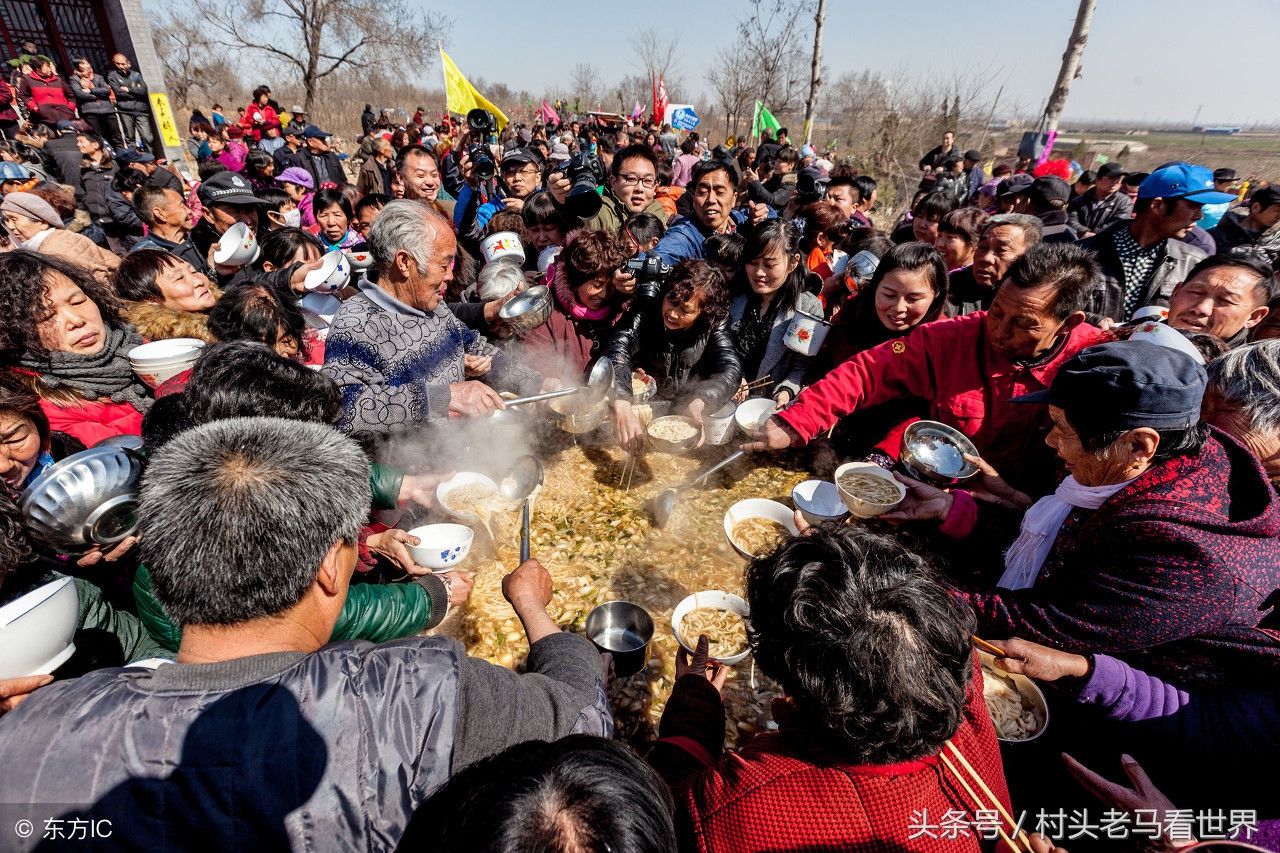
[578, 416]
[934, 452]
[624, 630]
[528, 309]
[664, 445]
[87, 499]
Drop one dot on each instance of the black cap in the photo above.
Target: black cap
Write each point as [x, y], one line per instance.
[522, 155]
[133, 155]
[1224, 175]
[1111, 170]
[1014, 185]
[1266, 196]
[226, 188]
[1047, 188]
[973, 155]
[1125, 385]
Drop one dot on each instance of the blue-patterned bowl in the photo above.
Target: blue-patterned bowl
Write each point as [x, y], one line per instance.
[441, 546]
[90, 498]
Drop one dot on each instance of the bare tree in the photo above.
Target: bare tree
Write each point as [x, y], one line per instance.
[772, 44]
[585, 84]
[315, 38]
[194, 71]
[657, 57]
[734, 85]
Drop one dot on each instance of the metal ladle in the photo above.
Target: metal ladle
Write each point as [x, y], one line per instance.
[526, 475]
[598, 382]
[665, 503]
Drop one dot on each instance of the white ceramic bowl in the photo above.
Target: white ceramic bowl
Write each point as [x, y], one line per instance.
[715, 599]
[441, 546]
[1031, 694]
[154, 377]
[37, 629]
[858, 505]
[757, 508]
[165, 352]
[457, 481]
[236, 247]
[752, 414]
[360, 260]
[333, 273]
[818, 501]
[503, 244]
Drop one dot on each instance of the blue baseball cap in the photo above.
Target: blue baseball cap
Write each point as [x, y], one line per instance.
[1183, 180]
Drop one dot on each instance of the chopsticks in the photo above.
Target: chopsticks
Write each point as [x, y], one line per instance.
[628, 472]
[1020, 835]
[759, 383]
[990, 648]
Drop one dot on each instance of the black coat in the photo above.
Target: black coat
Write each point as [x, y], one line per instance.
[324, 167]
[701, 363]
[1085, 213]
[1171, 268]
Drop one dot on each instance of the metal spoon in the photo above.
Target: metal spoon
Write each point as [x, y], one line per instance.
[598, 382]
[526, 475]
[665, 503]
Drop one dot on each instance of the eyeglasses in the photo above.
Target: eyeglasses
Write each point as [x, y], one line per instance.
[515, 170]
[632, 180]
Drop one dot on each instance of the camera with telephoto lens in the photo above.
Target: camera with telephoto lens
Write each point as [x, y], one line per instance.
[584, 172]
[650, 272]
[481, 122]
[482, 162]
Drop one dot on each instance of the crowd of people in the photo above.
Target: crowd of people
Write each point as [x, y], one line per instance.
[252, 667]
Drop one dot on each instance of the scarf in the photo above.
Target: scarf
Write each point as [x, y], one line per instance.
[581, 312]
[1023, 560]
[106, 374]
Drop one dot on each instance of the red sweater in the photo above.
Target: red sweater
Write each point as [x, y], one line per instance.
[780, 793]
[92, 421]
[967, 384]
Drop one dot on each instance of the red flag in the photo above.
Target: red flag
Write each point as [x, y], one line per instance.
[660, 100]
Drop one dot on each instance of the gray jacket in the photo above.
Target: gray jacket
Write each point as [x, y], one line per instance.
[1088, 214]
[131, 91]
[785, 365]
[93, 99]
[328, 751]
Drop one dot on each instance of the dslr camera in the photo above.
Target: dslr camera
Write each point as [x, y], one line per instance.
[584, 172]
[482, 125]
[650, 272]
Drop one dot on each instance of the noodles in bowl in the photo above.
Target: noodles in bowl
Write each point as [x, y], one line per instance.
[1017, 707]
[867, 489]
[725, 631]
[758, 536]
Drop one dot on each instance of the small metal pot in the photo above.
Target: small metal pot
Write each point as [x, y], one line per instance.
[623, 630]
[527, 310]
[88, 499]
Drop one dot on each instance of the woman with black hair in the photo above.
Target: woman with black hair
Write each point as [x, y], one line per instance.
[683, 342]
[62, 330]
[873, 653]
[334, 215]
[260, 169]
[766, 288]
[164, 297]
[262, 312]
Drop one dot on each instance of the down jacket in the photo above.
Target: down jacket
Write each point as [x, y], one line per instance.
[374, 612]
[701, 363]
[564, 346]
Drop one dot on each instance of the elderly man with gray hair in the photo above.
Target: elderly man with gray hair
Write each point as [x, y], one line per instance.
[398, 355]
[1005, 238]
[264, 735]
[1243, 399]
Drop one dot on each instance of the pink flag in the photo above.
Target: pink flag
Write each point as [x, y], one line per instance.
[637, 111]
[548, 115]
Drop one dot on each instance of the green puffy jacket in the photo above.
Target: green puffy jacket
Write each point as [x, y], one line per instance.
[374, 612]
[385, 481]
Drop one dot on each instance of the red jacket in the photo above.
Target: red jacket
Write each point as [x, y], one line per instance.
[92, 421]
[48, 97]
[252, 126]
[952, 366]
[780, 792]
[1172, 574]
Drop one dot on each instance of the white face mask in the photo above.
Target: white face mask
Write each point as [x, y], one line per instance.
[293, 218]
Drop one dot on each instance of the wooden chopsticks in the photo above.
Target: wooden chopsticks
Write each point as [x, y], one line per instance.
[990, 648]
[1019, 834]
[759, 383]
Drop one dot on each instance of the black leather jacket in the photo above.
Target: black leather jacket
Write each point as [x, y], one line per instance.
[701, 363]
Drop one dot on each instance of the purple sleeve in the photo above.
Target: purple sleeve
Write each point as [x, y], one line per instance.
[1129, 695]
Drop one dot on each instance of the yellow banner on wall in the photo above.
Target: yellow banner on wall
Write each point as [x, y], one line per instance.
[164, 120]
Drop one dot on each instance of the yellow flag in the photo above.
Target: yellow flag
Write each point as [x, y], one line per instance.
[461, 96]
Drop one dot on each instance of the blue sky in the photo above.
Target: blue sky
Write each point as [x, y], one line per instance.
[1157, 60]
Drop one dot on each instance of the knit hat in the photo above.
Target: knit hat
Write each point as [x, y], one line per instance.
[31, 206]
[296, 175]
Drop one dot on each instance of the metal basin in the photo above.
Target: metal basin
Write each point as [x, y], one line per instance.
[87, 499]
[528, 309]
[934, 452]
